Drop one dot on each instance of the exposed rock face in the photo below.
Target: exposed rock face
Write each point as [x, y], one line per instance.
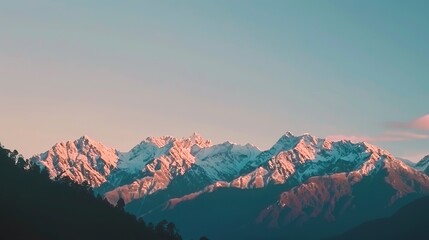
[323, 181]
[82, 160]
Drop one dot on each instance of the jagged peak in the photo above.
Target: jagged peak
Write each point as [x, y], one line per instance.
[237, 145]
[160, 141]
[285, 142]
[85, 137]
[197, 139]
[194, 139]
[423, 164]
[85, 140]
[308, 139]
[425, 158]
[249, 145]
[376, 149]
[228, 143]
[288, 140]
[81, 141]
[288, 135]
[195, 135]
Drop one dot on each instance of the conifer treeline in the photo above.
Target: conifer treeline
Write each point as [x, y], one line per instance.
[34, 207]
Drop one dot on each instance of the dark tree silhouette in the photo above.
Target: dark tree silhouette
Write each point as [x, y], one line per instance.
[34, 207]
[172, 231]
[120, 204]
[161, 227]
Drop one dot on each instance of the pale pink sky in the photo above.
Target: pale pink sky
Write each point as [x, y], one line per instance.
[243, 72]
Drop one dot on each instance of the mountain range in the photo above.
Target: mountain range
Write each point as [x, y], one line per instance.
[301, 187]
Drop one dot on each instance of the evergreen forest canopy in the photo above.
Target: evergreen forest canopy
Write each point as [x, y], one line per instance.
[34, 207]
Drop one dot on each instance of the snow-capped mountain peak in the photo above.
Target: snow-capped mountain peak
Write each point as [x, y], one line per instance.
[318, 173]
[159, 141]
[288, 134]
[285, 142]
[82, 160]
[160, 165]
[187, 165]
[197, 139]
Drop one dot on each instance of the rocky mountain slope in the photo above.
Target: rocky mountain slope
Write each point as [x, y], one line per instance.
[299, 181]
[335, 185]
[423, 165]
[82, 160]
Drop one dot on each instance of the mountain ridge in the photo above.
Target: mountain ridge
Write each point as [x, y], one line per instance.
[310, 178]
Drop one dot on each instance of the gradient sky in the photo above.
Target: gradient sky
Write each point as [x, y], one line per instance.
[244, 71]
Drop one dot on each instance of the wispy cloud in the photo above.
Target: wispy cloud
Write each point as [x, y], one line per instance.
[421, 123]
[416, 129]
[387, 136]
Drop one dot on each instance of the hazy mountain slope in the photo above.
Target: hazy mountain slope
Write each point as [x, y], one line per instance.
[409, 222]
[423, 165]
[408, 162]
[372, 186]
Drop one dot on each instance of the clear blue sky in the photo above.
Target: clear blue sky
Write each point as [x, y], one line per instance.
[244, 71]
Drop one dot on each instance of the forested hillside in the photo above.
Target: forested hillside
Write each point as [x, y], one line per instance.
[34, 207]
